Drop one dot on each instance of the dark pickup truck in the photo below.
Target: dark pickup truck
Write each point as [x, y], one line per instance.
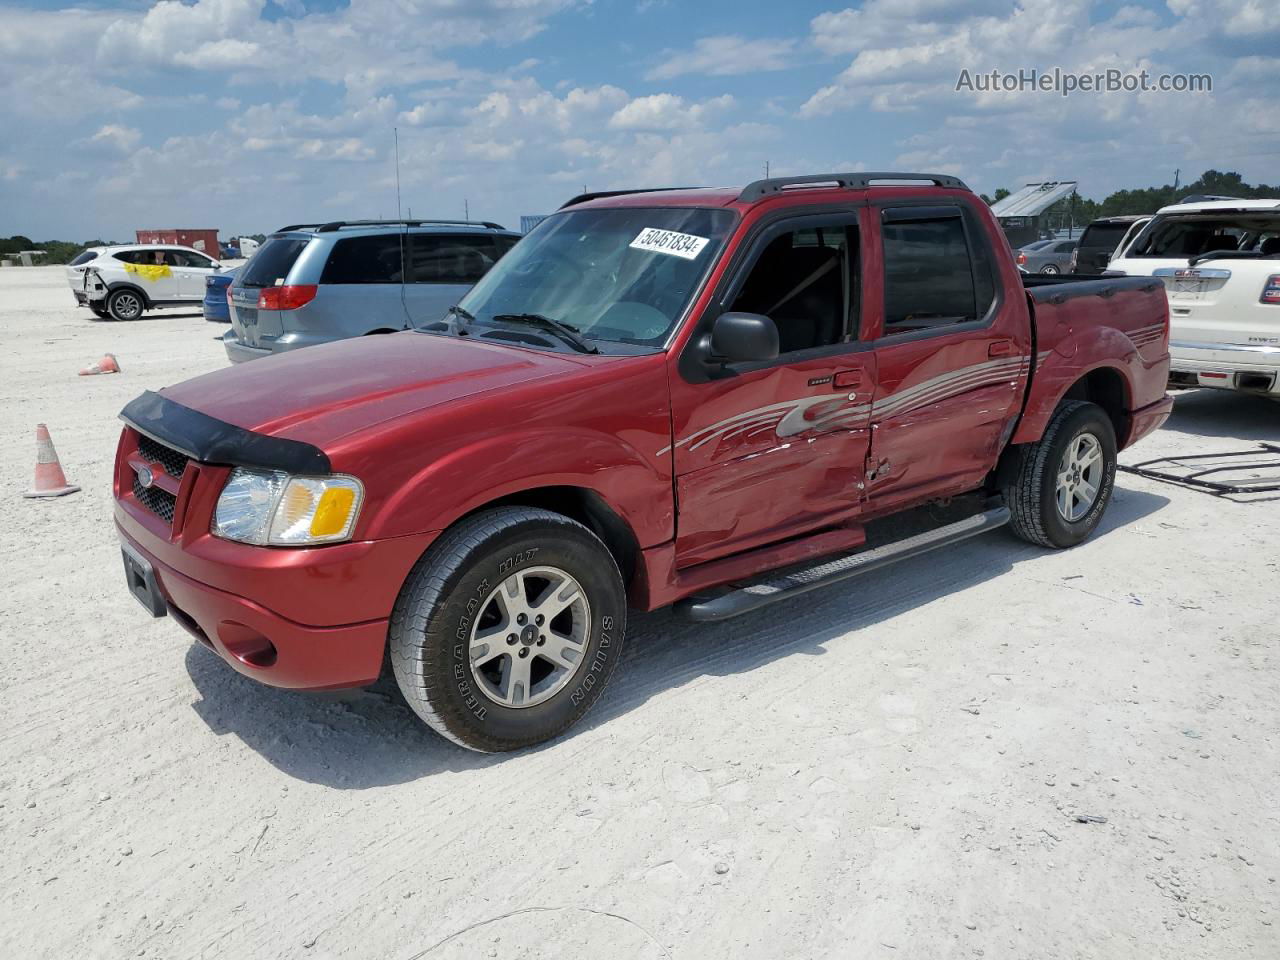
[691, 397]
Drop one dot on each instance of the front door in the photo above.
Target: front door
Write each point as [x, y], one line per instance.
[191, 269]
[772, 450]
[952, 355]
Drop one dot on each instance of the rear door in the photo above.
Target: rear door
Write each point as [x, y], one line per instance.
[362, 286]
[951, 353]
[444, 266]
[770, 450]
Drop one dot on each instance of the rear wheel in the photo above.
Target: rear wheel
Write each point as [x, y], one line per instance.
[125, 305]
[1065, 479]
[508, 628]
[1050, 268]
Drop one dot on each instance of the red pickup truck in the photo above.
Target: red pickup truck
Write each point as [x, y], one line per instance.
[699, 397]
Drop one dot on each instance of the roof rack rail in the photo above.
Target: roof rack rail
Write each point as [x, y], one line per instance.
[849, 181]
[598, 194]
[296, 226]
[340, 224]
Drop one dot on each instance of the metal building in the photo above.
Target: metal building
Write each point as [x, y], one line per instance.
[1021, 212]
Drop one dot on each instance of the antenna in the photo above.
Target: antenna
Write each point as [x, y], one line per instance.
[396, 132]
[466, 209]
[766, 169]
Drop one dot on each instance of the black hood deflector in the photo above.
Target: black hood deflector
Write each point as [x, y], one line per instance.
[210, 440]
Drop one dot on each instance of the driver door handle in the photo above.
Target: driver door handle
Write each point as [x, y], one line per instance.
[846, 379]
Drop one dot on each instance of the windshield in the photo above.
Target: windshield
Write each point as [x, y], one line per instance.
[621, 274]
[84, 257]
[271, 264]
[1191, 235]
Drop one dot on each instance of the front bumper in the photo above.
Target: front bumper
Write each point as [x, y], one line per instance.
[308, 619]
[265, 646]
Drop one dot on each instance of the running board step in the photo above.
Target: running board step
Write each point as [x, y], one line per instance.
[745, 599]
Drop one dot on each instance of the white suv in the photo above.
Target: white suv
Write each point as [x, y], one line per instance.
[122, 282]
[1220, 263]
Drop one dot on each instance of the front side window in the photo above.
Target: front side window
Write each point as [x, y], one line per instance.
[933, 277]
[623, 274]
[805, 281]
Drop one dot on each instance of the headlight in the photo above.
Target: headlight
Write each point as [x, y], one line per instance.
[269, 507]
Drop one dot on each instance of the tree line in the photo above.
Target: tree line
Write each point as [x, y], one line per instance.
[1080, 210]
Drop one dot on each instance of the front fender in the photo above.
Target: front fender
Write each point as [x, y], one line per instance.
[502, 465]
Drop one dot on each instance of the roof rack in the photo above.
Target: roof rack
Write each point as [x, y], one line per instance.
[333, 225]
[849, 181]
[598, 194]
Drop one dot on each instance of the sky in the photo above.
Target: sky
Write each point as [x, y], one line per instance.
[245, 115]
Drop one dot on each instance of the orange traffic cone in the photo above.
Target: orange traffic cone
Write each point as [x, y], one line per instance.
[108, 364]
[50, 480]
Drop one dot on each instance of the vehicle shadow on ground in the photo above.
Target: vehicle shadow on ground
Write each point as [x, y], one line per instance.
[1223, 413]
[358, 739]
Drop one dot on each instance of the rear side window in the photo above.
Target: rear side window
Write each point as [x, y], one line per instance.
[1104, 235]
[84, 257]
[374, 259]
[138, 256]
[449, 258]
[933, 276]
[271, 264]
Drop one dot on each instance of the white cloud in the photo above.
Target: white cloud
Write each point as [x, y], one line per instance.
[724, 56]
[666, 111]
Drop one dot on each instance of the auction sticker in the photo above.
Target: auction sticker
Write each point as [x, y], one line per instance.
[684, 245]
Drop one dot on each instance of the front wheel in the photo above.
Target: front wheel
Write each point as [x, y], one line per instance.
[99, 310]
[1065, 479]
[508, 628]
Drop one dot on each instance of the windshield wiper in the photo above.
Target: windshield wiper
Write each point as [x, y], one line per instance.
[566, 333]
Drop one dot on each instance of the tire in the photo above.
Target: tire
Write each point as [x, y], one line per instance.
[1050, 269]
[125, 304]
[1035, 496]
[99, 311]
[451, 600]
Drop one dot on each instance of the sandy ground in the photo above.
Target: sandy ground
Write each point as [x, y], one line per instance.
[888, 769]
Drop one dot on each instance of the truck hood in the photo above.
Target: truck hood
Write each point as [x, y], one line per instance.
[326, 392]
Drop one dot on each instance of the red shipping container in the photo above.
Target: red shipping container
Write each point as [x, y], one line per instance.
[205, 241]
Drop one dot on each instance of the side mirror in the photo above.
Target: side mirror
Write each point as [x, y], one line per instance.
[216, 265]
[743, 338]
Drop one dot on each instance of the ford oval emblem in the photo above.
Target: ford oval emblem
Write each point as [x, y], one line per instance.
[145, 477]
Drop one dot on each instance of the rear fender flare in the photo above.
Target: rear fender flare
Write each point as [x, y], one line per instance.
[1072, 359]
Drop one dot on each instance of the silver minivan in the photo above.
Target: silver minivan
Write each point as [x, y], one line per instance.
[313, 283]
